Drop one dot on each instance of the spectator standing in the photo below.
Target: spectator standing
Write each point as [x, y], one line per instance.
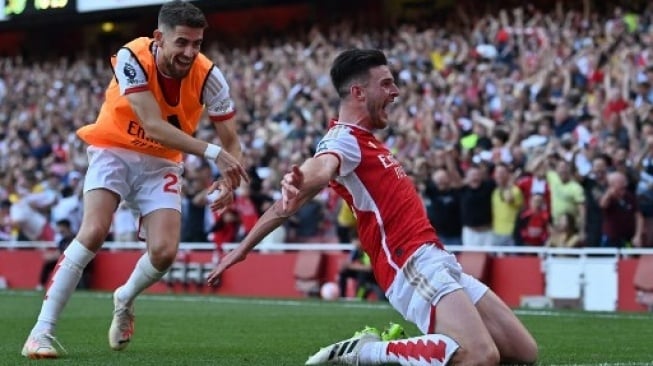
[622, 220]
[532, 225]
[345, 223]
[246, 209]
[443, 194]
[567, 196]
[225, 230]
[594, 185]
[476, 208]
[535, 184]
[66, 235]
[6, 227]
[645, 203]
[507, 201]
[645, 189]
[564, 233]
[357, 267]
[306, 225]
[195, 212]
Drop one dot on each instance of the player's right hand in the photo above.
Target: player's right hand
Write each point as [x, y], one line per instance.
[231, 170]
[220, 195]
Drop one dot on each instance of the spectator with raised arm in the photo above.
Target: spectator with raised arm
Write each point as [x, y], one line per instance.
[443, 197]
[622, 220]
[507, 201]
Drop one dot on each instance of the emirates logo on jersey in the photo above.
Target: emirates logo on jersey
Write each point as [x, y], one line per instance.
[389, 162]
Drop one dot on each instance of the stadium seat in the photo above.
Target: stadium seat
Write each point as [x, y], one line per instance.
[308, 272]
[176, 274]
[194, 274]
[643, 281]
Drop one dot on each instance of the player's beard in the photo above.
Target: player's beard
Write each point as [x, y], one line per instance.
[176, 70]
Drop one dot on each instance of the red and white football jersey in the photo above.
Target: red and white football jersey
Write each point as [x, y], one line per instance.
[390, 214]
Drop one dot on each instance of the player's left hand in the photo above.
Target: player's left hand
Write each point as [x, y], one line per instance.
[231, 169]
[227, 261]
[220, 195]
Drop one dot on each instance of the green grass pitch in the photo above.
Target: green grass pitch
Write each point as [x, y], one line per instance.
[215, 330]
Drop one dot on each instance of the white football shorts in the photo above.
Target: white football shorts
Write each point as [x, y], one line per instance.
[146, 183]
[425, 278]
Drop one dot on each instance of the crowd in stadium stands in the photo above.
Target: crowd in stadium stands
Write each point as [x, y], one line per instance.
[518, 128]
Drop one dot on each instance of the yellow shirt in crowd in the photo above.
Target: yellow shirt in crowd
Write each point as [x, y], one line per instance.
[565, 197]
[504, 213]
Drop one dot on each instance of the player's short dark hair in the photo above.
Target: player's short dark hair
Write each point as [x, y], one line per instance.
[354, 64]
[177, 12]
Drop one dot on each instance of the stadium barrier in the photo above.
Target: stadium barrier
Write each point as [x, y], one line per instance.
[596, 279]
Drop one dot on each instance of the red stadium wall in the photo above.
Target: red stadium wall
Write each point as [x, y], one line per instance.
[271, 274]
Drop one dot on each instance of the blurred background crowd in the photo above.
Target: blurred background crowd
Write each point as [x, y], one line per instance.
[521, 126]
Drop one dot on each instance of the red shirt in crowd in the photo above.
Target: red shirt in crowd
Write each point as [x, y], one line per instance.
[535, 227]
[530, 185]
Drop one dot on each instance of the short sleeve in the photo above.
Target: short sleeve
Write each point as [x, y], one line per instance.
[340, 142]
[216, 97]
[129, 73]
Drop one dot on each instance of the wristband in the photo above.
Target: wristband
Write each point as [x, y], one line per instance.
[212, 151]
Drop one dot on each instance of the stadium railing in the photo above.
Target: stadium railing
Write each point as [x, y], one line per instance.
[498, 250]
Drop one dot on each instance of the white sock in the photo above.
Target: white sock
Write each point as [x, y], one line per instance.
[66, 276]
[143, 276]
[429, 349]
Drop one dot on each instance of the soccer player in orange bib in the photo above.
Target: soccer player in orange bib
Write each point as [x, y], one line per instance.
[462, 320]
[152, 107]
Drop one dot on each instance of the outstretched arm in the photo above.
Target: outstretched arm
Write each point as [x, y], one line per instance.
[298, 186]
[215, 96]
[149, 114]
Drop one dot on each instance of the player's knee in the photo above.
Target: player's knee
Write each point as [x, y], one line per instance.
[163, 255]
[93, 234]
[529, 353]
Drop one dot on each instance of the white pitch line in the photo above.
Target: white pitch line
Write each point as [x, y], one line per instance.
[586, 314]
[225, 300]
[350, 304]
